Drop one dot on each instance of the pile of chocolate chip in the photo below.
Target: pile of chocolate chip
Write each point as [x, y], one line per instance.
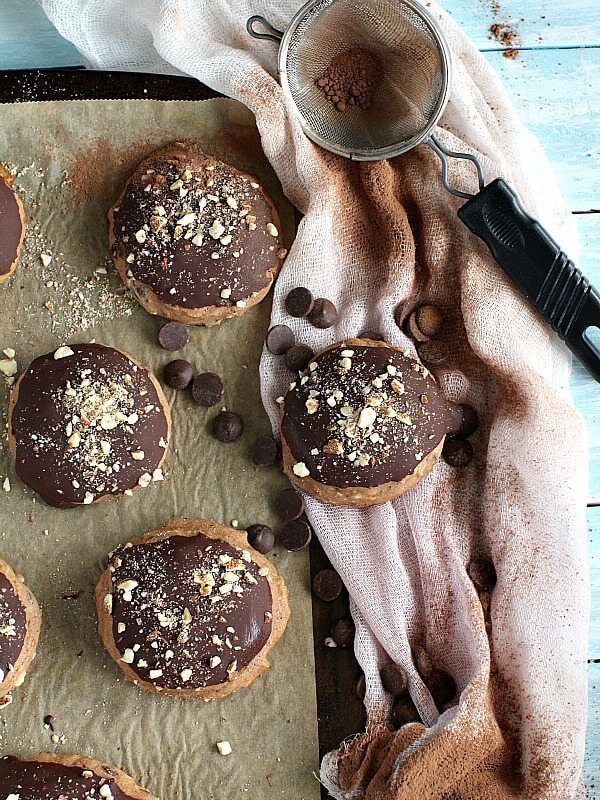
[296, 532]
[280, 339]
[424, 325]
[206, 387]
[394, 680]
[351, 79]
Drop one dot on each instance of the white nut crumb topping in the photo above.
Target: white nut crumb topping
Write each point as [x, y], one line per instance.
[178, 626]
[63, 352]
[301, 470]
[369, 408]
[224, 748]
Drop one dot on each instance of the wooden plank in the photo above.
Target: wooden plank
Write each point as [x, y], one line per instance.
[591, 769]
[543, 24]
[556, 95]
[594, 553]
[586, 392]
[539, 23]
[29, 40]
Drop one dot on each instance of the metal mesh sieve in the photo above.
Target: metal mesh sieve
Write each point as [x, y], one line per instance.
[410, 94]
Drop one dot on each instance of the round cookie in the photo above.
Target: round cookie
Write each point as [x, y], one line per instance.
[85, 423]
[190, 610]
[12, 226]
[193, 238]
[49, 776]
[20, 620]
[363, 424]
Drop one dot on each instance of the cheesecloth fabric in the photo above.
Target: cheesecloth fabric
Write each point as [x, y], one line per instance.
[374, 236]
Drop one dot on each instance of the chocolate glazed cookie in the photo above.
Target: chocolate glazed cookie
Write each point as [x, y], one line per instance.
[85, 423]
[363, 424]
[190, 610]
[20, 620]
[193, 238]
[12, 226]
[48, 776]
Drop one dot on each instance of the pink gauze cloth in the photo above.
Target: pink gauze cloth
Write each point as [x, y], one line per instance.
[374, 236]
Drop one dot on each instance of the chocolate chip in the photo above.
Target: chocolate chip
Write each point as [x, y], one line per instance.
[482, 573]
[261, 538]
[327, 585]
[398, 316]
[207, 389]
[324, 314]
[298, 357]
[279, 339]
[296, 535]
[299, 302]
[342, 631]
[394, 679]
[227, 426]
[373, 335]
[441, 686]
[423, 662]
[457, 452]
[361, 687]
[428, 320]
[49, 722]
[289, 504]
[178, 374]
[485, 598]
[403, 712]
[173, 336]
[466, 420]
[433, 353]
[413, 329]
[263, 451]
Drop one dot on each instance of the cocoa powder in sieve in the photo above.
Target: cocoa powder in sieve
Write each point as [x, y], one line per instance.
[351, 79]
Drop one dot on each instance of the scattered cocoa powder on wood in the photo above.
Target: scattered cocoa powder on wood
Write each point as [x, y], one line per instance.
[351, 79]
[507, 36]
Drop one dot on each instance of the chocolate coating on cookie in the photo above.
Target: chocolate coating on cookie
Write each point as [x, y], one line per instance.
[195, 231]
[363, 415]
[87, 422]
[13, 626]
[11, 227]
[188, 611]
[43, 780]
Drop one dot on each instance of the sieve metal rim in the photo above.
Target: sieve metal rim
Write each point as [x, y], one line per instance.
[391, 150]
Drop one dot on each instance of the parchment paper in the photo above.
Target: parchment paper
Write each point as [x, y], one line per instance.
[70, 160]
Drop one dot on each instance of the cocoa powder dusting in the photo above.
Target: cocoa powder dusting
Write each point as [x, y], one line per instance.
[351, 79]
[508, 37]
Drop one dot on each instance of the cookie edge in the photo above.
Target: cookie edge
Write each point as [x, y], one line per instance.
[108, 771]
[33, 622]
[6, 177]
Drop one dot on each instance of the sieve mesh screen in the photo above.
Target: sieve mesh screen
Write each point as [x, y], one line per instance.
[412, 87]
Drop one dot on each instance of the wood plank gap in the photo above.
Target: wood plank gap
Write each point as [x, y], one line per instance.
[522, 47]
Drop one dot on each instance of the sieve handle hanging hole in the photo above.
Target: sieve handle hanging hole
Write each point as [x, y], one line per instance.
[272, 33]
[547, 277]
[442, 153]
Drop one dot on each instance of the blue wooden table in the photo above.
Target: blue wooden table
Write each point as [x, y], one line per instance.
[548, 54]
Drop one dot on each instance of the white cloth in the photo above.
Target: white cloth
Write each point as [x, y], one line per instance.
[374, 236]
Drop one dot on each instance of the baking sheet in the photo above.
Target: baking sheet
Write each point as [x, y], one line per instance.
[70, 160]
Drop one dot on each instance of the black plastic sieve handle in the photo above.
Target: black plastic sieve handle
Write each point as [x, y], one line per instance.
[534, 261]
